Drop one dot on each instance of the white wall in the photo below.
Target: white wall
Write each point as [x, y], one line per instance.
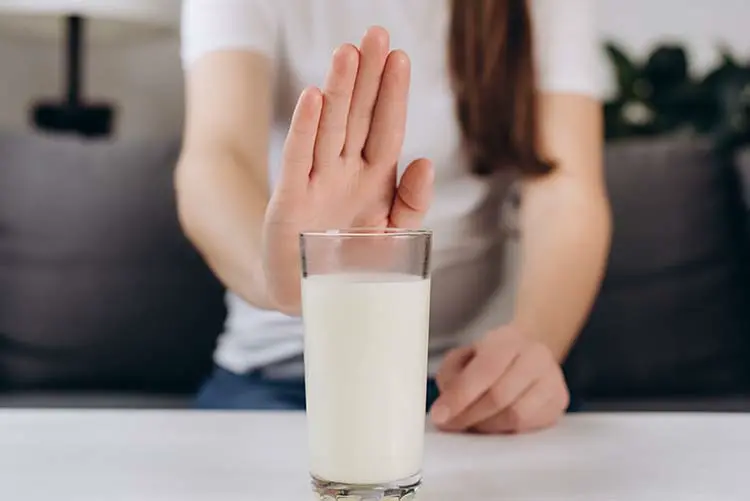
[146, 78]
[700, 24]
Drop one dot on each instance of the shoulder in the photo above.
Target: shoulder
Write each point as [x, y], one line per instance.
[256, 25]
[210, 25]
[567, 45]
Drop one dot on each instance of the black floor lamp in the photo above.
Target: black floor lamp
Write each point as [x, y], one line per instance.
[117, 22]
[73, 114]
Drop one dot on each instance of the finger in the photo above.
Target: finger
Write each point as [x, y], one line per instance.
[453, 363]
[413, 196]
[300, 141]
[536, 409]
[386, 134]
[337, 96]
[474, 381]
[373, 54]
[522, 374]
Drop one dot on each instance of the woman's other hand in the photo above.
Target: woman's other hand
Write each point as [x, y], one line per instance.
[505, 383]
[339, 167]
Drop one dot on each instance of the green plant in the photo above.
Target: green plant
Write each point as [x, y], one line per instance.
[660, 96]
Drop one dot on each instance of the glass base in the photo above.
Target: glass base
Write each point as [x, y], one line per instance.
[401, 490]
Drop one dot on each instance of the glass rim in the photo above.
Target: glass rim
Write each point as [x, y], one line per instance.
[366, 233]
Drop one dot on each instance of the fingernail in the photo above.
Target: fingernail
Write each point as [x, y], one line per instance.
[440, 414]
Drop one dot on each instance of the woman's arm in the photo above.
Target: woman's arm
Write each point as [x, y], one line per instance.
[337, 168]
[222, 176]
[510, 380]
[565, 225]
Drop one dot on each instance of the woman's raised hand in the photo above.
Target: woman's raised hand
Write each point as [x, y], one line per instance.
[339, 166]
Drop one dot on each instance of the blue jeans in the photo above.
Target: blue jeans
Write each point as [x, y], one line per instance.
[229, 391]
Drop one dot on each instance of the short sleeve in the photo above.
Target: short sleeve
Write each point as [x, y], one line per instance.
[212, 25]
[568, 49]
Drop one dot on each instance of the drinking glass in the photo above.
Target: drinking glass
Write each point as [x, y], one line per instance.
[365, 307]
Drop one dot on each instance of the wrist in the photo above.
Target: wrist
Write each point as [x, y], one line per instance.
[558, 344]
[285, 300]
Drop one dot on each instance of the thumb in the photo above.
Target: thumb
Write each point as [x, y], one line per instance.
[413, 196]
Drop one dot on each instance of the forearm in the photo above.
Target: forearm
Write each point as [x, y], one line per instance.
[221, 209]
[566, 235]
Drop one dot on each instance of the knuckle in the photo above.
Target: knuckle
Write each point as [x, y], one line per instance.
[363, 114]
[452, 395]
[500, 340]
[301, 132]
[460, 397]
[565, 400]
[499, 396]
[539, 351]
[331, 126]
[408, 197]
[565, 396]
[337, 94]
[518, 416]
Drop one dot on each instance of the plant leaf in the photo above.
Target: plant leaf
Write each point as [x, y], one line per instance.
[626, 72]
[727, 58]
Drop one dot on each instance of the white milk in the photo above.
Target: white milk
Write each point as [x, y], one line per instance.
[366, 370]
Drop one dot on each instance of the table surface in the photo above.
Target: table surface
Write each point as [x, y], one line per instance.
[205, 456]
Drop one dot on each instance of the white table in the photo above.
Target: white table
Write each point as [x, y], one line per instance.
[191, 456]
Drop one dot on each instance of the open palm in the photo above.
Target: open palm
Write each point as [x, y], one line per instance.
[339, 167]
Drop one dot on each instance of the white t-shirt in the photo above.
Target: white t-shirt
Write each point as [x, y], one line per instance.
[299, 37]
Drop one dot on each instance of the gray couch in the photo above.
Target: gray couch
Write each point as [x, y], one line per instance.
[671, 326]
[102, 299]
[104, 303]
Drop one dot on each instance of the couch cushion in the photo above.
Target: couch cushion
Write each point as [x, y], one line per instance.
[672, 316]
[98, 286]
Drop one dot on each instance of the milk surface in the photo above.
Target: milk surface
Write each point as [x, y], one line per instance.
[366, 369]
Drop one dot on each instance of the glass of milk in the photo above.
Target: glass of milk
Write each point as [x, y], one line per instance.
[365, 307]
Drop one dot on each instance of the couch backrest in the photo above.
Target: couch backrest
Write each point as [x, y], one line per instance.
[98, 286]
[673, 315]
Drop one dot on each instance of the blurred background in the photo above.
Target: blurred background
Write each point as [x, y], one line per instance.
[104, 303]
[145, 77]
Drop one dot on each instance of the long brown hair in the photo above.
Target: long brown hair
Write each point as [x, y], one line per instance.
[492, 63]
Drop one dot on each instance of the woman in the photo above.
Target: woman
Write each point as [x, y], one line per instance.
[491, 101]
